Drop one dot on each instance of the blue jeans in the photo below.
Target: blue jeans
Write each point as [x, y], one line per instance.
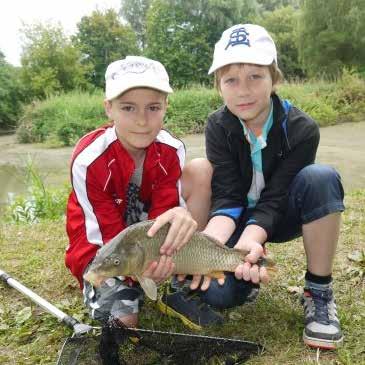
[315, 192]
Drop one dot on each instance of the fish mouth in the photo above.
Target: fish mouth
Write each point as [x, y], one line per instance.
[94, 279]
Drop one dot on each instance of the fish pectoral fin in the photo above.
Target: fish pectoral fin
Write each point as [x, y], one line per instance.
[149, 286]
[217, 274]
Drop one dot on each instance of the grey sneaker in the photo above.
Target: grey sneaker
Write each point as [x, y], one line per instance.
[322, 327]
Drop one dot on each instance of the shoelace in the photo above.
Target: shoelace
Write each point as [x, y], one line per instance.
[320, 301]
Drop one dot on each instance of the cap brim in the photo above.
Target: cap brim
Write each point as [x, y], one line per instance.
[113, 93]
[263, 60]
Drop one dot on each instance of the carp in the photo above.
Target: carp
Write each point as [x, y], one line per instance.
[131, 251]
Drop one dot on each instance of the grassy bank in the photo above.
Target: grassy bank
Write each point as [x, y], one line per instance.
[61, 120]
[29, 336]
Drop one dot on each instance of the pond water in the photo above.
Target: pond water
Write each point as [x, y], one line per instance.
[341, 146]
[51, 163]
[12, 181]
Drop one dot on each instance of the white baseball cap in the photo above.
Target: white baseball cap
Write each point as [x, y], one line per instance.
[244, 43]
[135, 71]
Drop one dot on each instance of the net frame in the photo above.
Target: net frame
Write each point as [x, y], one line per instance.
[116, 344]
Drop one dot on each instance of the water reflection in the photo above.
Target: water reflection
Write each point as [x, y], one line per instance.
[12, 181]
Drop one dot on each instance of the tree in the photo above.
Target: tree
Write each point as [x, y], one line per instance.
[282, 25]
[135, 13]
[271, 5]
[331, 36]
[11, 94]
[50, 63]
[182, 33]
[103, 39]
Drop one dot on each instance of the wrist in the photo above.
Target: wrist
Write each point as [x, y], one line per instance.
[254, 233]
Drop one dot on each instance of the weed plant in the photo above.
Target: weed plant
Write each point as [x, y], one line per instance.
[40, 202]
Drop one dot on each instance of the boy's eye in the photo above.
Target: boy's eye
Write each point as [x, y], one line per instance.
[255, 77]
[230, 80]
[127, 108]
[155, 108]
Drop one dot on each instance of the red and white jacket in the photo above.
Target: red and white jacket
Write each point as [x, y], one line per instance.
[100, 173]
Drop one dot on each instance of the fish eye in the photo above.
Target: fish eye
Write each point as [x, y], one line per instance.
[116, 262]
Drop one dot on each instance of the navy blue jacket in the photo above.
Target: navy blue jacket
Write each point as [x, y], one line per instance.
[292, 144]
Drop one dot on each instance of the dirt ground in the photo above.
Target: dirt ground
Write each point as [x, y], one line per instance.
[341, 146]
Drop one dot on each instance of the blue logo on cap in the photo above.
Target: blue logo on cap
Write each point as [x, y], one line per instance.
[238, 36]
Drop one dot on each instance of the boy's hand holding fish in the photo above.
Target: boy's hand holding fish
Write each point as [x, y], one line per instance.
[251, 241]
[182, 227]
[160, 270]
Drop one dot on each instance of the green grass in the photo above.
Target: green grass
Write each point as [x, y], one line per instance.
[34, 254]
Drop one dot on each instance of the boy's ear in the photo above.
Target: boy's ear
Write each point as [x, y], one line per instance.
[108, 108]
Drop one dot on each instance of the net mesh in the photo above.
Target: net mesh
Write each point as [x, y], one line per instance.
[120, 345]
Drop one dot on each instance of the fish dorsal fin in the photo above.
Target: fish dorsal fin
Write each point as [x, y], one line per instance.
[149, 286]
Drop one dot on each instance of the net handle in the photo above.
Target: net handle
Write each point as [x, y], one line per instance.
[78, 328]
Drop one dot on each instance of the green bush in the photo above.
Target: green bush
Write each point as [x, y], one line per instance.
[189, 108]
[329, 102]
[12, 94]
[66, 118]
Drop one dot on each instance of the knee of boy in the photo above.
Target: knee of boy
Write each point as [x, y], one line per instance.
[317, 177]
[200, 171]
[196, 178]
[129, 321]
[220, 296]
[317, 173]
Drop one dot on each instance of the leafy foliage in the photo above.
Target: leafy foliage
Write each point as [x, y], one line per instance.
[135, 13]
[329, 102]
[67, 117]
[331, 36]
[102, 39]
[50, 63]
[188, 109]
[11, 94]
[182, 34]
[282, 25]
[272, 5]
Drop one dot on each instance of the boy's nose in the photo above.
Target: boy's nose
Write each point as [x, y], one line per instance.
[141, 120]
[244, 87]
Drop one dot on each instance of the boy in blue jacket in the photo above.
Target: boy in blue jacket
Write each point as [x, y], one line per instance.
[265, 187]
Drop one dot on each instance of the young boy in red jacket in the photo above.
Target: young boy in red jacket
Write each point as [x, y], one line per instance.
[126, 172]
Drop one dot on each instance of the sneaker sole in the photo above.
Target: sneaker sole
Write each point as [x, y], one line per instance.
[321, 343]
[164, 308]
